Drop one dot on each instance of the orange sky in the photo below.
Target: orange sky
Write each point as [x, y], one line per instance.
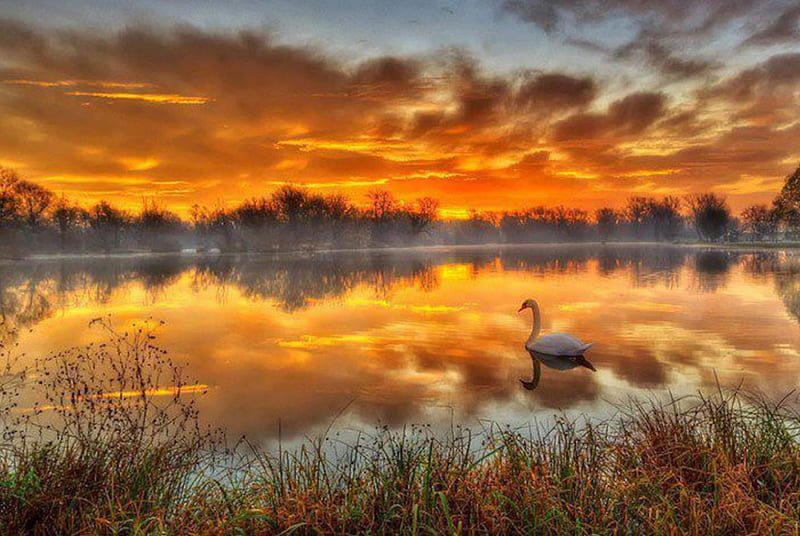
[189, 114]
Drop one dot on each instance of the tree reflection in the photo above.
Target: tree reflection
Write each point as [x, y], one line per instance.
[423, 327]
[30, 291]
[712, 269]
[25, 300]
[784, 268]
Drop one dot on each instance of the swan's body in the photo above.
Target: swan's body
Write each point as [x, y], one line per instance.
[560, 362]
[560, 351]
[558, 344]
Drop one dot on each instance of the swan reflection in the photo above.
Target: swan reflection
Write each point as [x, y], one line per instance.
[553, 362]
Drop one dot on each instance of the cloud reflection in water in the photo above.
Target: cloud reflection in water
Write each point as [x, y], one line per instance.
[409, 335]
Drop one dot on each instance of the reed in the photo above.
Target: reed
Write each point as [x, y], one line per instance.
[90, 463]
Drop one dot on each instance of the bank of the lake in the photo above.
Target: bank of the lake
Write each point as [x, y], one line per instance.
[722, 465]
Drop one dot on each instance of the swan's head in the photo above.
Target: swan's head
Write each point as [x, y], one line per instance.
[527, 304]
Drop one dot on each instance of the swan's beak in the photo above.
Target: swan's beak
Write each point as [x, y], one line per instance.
[522, 308]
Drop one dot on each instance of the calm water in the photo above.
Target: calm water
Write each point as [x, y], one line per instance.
[428, 336]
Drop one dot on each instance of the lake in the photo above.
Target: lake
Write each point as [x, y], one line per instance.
[403, 337]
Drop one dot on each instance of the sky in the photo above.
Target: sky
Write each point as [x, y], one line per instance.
[483, 104]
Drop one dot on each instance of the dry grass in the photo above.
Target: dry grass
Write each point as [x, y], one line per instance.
[89, 464]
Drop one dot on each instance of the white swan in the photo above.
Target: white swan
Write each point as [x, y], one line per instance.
[557, 350]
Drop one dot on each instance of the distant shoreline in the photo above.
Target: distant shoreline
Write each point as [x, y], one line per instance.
[188, 254]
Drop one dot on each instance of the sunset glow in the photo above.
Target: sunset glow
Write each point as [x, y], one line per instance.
[487, 105]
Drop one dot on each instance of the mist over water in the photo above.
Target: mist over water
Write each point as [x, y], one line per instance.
[398, 337]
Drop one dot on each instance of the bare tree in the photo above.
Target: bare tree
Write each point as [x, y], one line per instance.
[108, 223]
[67, 217]
[426, 212]
[157, 227]
[760, 221]
[382, 205]
[787, 203]
[607, 220]
[710, 215]
[666, 217]
[638, 211]
[9, 201]
[34, 200]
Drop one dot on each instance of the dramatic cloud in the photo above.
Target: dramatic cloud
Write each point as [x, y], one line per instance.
[672, 15]
[196, 115]
[630, 115]
[664, 31]
[784, 28]
[778, 72]
[655, 53]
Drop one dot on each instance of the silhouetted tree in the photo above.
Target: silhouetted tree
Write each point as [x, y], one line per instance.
[34, 200]
[67, 217]
[760, 221]
[291, 203]
[787, 202]
[157, 226]
[256, 213]
[338, 208]
[108, 223]
[570, 223]
[9, 201]
[382, 210]
[382, 205]
[198, 217]
[638, 214]
[710, 215]
[223, 225]
[296, 218]
[666, 217]
[22, 200]
[480, 228]
[607, 220]
[649, 217]
[423, 215]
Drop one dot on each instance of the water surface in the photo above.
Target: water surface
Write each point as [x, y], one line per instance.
[427, 336]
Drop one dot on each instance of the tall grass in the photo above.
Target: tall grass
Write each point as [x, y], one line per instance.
[86, 462]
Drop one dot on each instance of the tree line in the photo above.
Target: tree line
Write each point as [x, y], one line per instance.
[34, 219]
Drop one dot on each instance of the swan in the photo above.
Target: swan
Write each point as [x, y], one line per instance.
[560, 351]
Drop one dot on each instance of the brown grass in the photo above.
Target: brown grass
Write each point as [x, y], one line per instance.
[89, 464]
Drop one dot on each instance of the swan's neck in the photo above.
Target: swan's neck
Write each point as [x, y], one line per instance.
[537, 323]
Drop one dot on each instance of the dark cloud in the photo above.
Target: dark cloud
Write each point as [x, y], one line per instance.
[629, 115]
[776, 72]
[764, 93]
[484, 103]
[390, 76]
[543, 14]
[539, 158]
[666, 29]
[669, 15]
[785, 28]
[661, 57]
[556, 90]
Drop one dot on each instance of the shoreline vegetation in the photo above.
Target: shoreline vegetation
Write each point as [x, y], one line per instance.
[113, 445]
[34, 221]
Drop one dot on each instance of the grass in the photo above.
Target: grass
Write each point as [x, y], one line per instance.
[86, 462]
